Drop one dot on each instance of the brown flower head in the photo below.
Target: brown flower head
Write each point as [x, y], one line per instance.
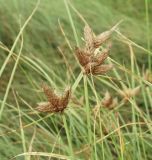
[128, 93]
[91, 58]
[56, 103]
[109, 102]
[148, 76]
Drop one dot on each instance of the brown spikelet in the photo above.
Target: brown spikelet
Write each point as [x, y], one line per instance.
[44, 107]
[64, 99]
[90, 67]
[98, 70]
[55, 102]
[108, 101]
[114, 103]
[101, 38]
[50, 94]
[129, 92]
[102, 57]
[82, 56]
[89, 38]
[147, 75]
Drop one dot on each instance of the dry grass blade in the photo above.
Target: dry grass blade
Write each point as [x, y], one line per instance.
[43, 154]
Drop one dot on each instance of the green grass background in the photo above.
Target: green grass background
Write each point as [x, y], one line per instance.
[23, 130]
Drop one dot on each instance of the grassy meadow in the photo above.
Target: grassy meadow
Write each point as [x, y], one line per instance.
[37, 45]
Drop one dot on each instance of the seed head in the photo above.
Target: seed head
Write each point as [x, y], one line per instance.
[109, 102]
[129, 92]
[90, 57]
[148, 76]
[56, 103]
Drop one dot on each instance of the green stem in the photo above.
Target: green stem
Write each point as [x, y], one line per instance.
[87, 110]
[68, 137]
[148, 32]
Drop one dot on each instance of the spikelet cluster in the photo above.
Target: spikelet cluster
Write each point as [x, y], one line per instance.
[56, 103]
[90, 57]
[128, 93]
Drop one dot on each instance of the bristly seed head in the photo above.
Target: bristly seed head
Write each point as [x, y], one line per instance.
[90, 57]
[109, 102]
[147, 75]
[128, 93]
[56, 103]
